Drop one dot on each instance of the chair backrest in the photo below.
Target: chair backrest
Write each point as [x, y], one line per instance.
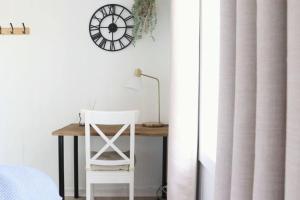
[125, 118]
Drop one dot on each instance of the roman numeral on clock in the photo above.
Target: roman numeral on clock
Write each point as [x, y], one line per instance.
[98, 19]
[121, 44]
[103, 11]
[112, 9]
[96, 37]
[112, 46]
[94, 28]
[128, 18]
[128, 37]
[103, 43]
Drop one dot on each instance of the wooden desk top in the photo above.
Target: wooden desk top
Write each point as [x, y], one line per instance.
[111, 130]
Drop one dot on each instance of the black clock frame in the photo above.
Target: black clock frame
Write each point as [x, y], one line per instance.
[112, 28]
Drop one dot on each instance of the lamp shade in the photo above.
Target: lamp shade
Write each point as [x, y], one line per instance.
[135, 83]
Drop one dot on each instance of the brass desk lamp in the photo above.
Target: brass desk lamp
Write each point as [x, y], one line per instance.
[135, 84]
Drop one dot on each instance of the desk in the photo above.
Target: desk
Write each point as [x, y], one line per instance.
[74, 130]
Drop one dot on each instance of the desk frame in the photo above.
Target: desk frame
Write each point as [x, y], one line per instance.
[76, 179]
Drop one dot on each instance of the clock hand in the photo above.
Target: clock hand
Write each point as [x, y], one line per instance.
[119, 15]
[118, 27]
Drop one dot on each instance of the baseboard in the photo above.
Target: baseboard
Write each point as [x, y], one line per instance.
[116, 191]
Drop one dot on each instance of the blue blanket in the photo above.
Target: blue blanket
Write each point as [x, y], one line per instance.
[24, 183]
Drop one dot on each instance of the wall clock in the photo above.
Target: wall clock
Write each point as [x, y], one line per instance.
[111, 27]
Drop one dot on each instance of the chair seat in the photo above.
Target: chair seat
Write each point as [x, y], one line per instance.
[111, 155]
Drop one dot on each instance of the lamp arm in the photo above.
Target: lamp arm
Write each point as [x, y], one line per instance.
[158, 86]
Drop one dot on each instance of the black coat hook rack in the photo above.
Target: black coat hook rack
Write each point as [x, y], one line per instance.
[15, 30]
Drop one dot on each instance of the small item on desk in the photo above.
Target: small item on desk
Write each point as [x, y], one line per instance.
[81, 118]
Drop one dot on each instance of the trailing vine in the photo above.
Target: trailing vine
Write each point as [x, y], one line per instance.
[145, 18]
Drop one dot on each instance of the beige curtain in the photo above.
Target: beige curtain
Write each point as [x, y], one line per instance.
[183, 130]
[258, 156]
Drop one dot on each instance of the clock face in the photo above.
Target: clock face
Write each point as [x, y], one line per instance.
[111, 27]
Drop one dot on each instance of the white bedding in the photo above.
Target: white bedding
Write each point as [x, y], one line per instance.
[24, 183]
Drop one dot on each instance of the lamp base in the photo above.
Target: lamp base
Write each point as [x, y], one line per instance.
[153, 124]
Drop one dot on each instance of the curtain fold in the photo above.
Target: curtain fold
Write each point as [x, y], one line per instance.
[292, 171]
[245, 101]
[258, 155]
[226, 95]
[271, 100]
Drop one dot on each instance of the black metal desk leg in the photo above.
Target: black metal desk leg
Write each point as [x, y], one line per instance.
[61, 166]
[76, 193]
[165, 164]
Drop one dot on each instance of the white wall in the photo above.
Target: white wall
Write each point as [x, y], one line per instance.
[47, 77]
[210, 50]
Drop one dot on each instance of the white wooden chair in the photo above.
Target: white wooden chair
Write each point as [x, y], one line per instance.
[109, 167]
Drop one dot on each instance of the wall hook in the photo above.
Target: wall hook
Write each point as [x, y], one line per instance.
[12, 28]
[24, 28]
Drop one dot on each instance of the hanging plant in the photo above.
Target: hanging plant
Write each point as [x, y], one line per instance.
[145, 18]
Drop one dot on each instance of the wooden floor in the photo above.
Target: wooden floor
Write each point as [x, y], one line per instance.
[114, 198]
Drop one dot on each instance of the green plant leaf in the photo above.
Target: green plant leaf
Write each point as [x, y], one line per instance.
[145, 18]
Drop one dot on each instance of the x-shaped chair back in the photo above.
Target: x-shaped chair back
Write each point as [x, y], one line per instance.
[127, 118]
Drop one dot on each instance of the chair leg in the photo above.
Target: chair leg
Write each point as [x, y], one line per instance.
[131, 190]
[92, 192]
[88, 191]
